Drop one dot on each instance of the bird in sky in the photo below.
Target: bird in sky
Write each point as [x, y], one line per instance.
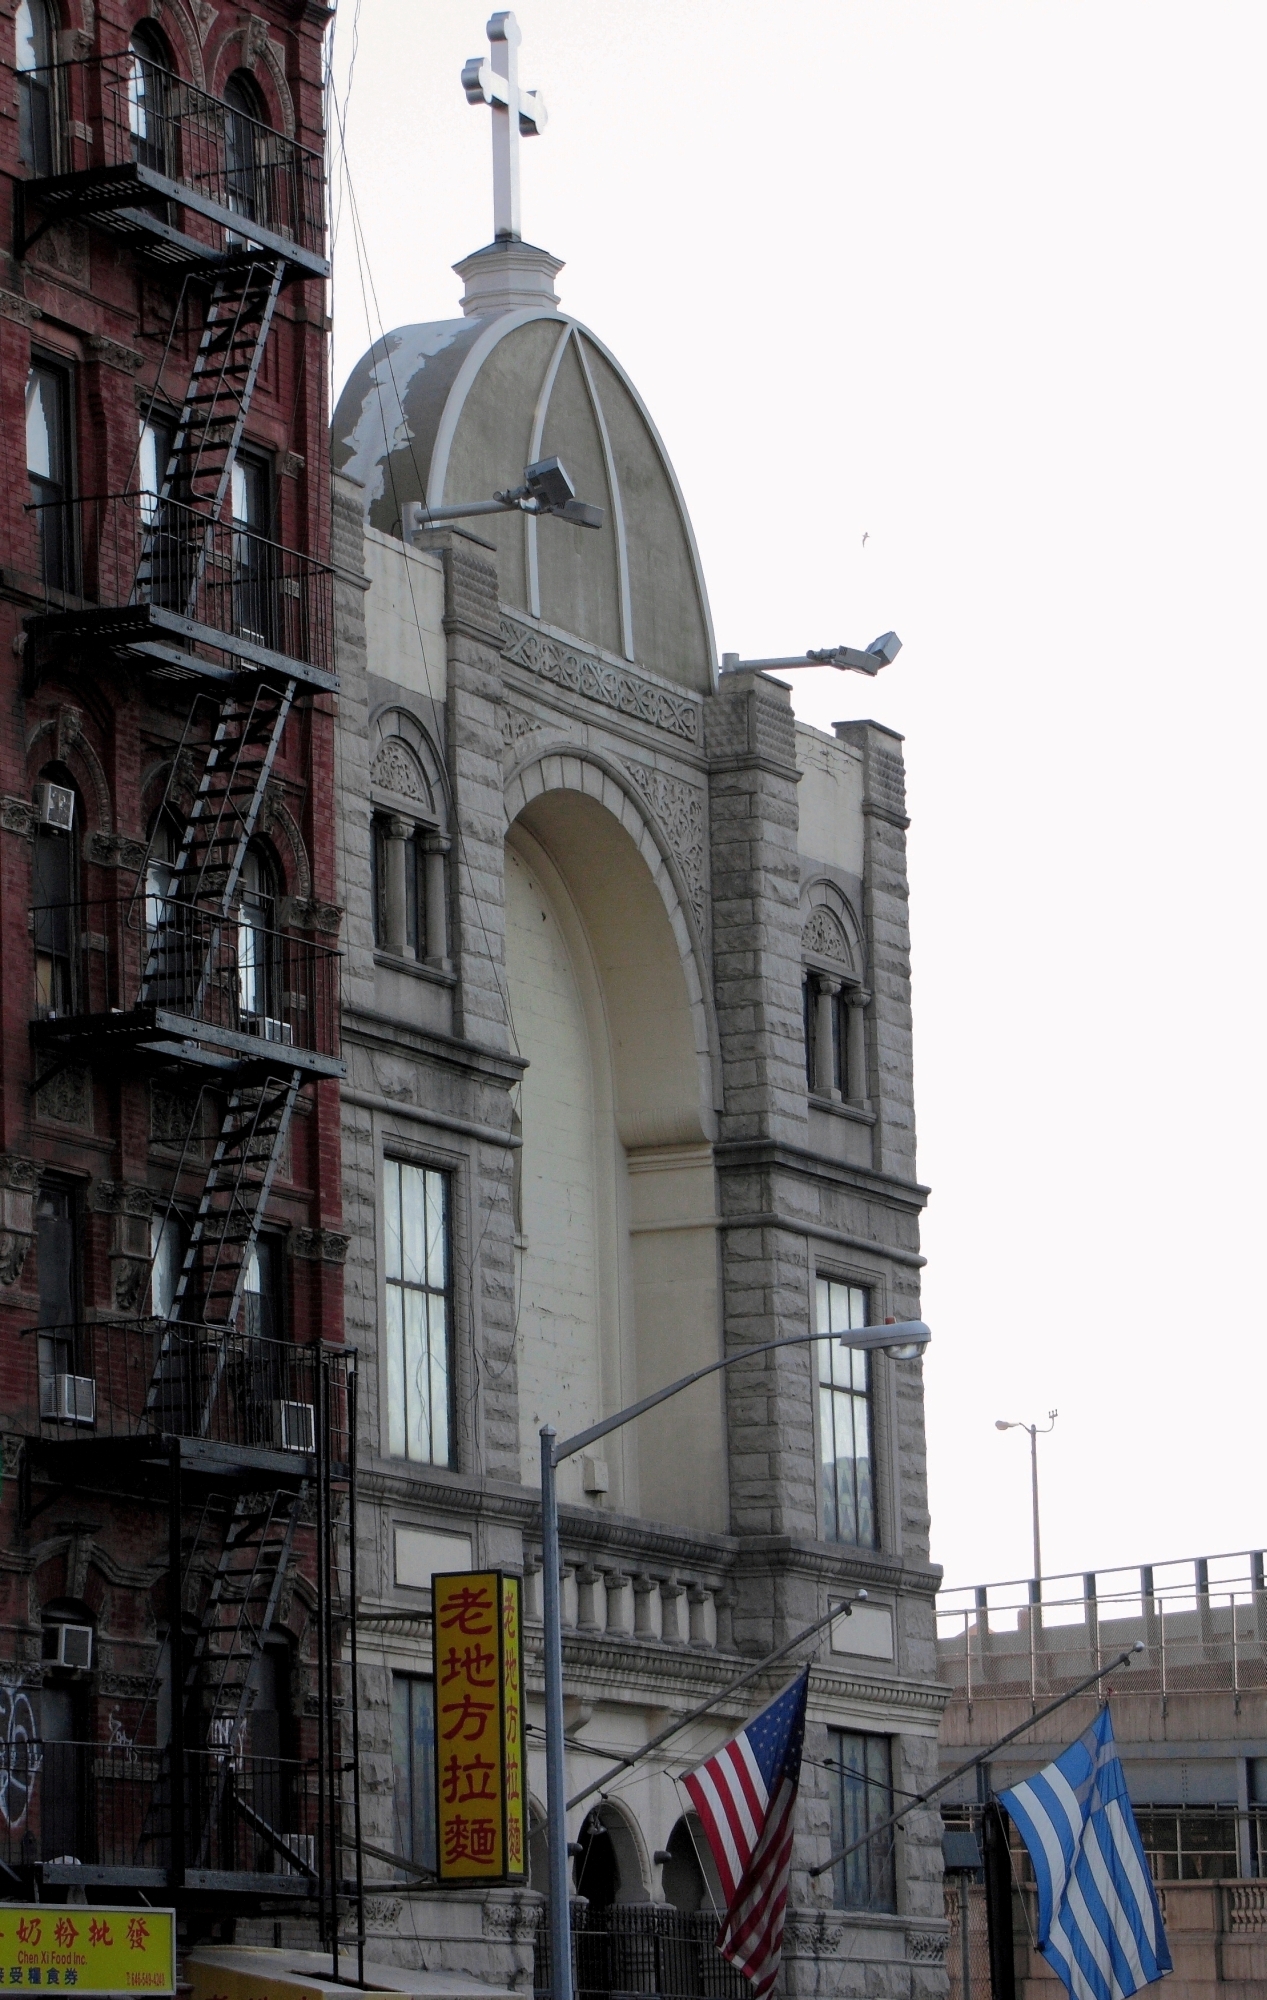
[866, 537]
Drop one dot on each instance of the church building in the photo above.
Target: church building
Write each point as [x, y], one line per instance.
[627, 1031]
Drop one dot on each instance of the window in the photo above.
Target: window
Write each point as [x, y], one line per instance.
[168, 1239]
[48, 466]
[53, 874]
[844, 1409]
[862, 1797]
[35, 85]
[252, 574]
[263, 1313]
[149, 66]
[413, 1766]
[399, 916]
[257, 984]
[246, 184]
[419, 1387]
[57, 1275]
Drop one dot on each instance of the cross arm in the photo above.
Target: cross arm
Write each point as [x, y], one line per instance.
[483, 85]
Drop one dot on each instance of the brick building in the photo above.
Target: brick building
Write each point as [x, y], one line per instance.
[628, 1035]
[175, 1399]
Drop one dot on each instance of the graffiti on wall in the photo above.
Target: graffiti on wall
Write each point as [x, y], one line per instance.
[20, 1754]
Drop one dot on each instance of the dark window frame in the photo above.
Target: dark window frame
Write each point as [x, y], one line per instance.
[37, 100]
[413, 1767]
[401, 1411]
[861, 1762]
[846, 1383]
[58, 545]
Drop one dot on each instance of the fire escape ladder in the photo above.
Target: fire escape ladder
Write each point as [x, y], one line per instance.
[252, 1135]
[222, 384]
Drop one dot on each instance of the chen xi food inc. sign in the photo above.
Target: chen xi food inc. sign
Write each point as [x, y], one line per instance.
[94, 1951]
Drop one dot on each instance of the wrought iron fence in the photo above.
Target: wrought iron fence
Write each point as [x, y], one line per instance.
[1202, 1622]
[109, 1806]
[233, 975]
[642, 1948]
[226, 584]
[115, 111]
[158, 1377]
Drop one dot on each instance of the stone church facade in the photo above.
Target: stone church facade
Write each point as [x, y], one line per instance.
[628, 1037]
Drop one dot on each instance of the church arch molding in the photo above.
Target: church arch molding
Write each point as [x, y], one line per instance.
[549, 772]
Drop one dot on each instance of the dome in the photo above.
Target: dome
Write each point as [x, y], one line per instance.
[454, 410]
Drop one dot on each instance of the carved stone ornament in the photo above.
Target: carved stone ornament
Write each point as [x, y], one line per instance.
[516, 723]
[678, 810]
[64, 249]
[18, 309]
[824, 936]
[112, 353]
[514, 1921]
[122, 1198]
[17, 816]
[254, 40]
[927, 1947]
[66, 1097]
[579, 672]
[205, 16]
[383, 1911]
[396, 769]
[116, 850]
[325, 1245]
[309, 914]
[812, 1937]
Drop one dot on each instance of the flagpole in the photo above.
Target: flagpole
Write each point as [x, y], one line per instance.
[905, 1338]
[982, 1757]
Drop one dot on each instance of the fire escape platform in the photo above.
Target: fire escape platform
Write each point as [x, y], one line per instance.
[151, 629]
[156, 1031]
[107, 196]
[143, 1464]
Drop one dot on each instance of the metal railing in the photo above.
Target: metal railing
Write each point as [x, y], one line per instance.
[165, 1378]
[642, 1948]
[106, 112]
[108, 1805]
[1198, 1843]
[232, 975]
[248, 594]
[1202, 1622]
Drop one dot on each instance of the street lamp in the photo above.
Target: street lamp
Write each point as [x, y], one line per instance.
[1035, 1432]
[545, 489]
[849, 659]
[903, 1339]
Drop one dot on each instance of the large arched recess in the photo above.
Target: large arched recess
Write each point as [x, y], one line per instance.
[619, 1287]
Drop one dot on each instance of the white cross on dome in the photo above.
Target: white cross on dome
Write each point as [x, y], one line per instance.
[516, 114]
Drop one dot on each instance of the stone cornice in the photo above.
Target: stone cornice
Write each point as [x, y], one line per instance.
[600, 680]
[389, 1037]
[736, 1155]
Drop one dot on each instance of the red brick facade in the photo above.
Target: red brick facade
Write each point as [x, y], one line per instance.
[108, 289]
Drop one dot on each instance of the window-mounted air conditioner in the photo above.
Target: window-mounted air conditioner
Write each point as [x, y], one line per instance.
[68, 1645]
[55, 805]
[295, 1426]
[304, 1847]
[268, 1028]
[69, 1399]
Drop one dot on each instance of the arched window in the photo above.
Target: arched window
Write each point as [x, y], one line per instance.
[149, 118]
[835, 1002]
[54, 887]
[257, 938]
[607, 1868]
[34, 25]
[690, 1877]
[245, 149]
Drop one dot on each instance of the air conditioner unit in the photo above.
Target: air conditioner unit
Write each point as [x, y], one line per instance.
[268, 1028]
[68, 1645]
[69, 1399]
[304, 1847]
[295, 1426]
[55, 805]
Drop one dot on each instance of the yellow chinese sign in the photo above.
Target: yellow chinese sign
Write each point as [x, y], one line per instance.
[93, 1950]
[481, 1794]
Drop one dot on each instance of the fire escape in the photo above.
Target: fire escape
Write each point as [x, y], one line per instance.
[247, 1441]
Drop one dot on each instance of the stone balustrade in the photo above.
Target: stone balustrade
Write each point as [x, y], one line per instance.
[662, 1607]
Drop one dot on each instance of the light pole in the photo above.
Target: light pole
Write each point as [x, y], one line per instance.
[903, 1339]
[1035, 1432]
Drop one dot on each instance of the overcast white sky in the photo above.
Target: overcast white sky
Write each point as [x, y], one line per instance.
[985, 282]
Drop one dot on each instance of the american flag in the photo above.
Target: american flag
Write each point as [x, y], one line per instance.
[745, 1797]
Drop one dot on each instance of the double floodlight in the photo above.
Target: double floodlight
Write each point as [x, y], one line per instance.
[849, 659]
[546, 489]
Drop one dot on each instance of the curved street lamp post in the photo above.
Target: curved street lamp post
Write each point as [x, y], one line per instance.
[904, 1340]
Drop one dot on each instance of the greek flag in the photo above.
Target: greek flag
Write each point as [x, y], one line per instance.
[1099, 1927]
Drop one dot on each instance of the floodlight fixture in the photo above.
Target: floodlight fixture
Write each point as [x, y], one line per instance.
[546, 488]
[849, 659]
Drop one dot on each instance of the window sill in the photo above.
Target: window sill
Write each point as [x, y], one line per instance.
[437, 975]
[858, 1110]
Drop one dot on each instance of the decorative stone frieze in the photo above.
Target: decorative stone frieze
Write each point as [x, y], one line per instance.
[620, 688]
[17, 816]
[678, 810]
[326, 1246]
